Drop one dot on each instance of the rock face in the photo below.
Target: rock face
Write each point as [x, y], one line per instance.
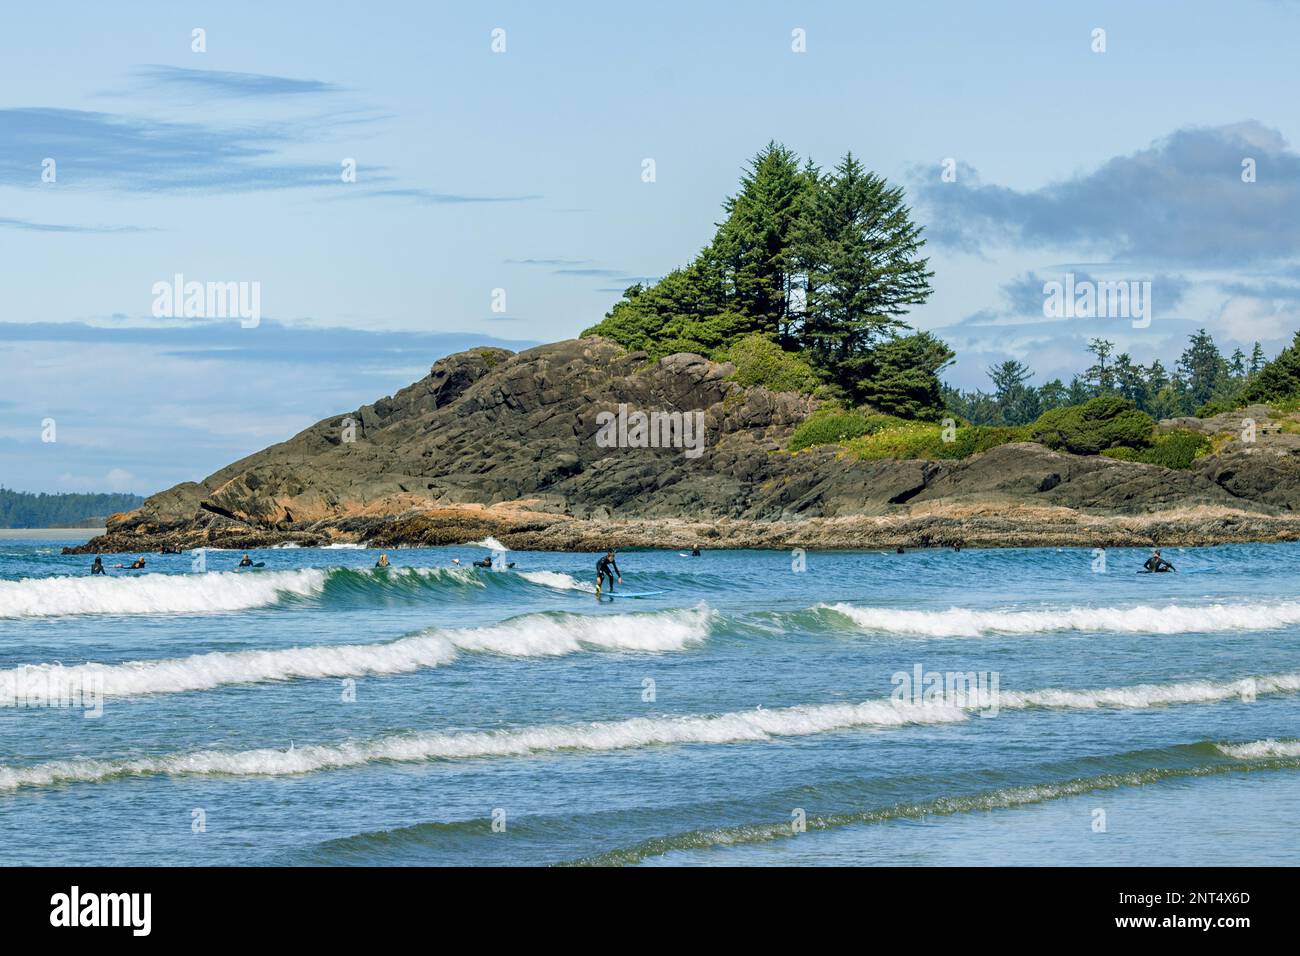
[527, 446]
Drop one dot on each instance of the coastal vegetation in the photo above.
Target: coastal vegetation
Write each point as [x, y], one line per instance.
[804, 288]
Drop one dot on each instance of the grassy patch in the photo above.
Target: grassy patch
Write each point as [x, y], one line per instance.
[833, 426]
[1176, 448]
[759, 361]
[926, 441]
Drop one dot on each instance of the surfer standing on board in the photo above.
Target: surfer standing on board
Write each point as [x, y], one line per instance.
[603, 571]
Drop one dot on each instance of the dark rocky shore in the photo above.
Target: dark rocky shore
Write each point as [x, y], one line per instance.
[503, 444]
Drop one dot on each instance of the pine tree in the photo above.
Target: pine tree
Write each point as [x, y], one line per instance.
[754, 243]
[860, 254]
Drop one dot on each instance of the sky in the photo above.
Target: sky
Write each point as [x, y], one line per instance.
[499, 196]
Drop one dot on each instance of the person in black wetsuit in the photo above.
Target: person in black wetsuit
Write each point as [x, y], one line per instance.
[607, 567]
[98, 566]
[1158, 564]
[695, 551]
[245, 562]
[137, 564]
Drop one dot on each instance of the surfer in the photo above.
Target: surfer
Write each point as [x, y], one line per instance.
[137, 564]
[382, 562]
[245, 562]
[603, 571]
[1157, 564]
[695, 551]
[487, 563]
[98, 566]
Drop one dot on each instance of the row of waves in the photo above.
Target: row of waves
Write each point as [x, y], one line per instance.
[226, 591]
[747, 726]
[219, 591]
[543, 634]
[537, 634]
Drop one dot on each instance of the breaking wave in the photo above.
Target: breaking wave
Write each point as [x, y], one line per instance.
[546, 634]
[1143, 619]
[734, 727]
[243, 590]
[155, 593]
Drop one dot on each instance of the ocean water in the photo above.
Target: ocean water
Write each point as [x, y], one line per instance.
[318, 712]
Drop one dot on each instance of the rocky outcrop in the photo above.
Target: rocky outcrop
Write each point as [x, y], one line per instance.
[516, 446]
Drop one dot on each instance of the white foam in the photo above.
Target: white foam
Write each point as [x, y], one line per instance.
[734, 727]
[154, 593]
[1171, 619]
[343, 546]
[1262, 749]
[532, 635]
[737, 727]
[491, 543]
[557, 580]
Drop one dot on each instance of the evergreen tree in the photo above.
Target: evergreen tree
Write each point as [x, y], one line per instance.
[754, 244]
[1256, 361]
[1100, 375]
[859, 252]
[902, 377]
[1203, 369]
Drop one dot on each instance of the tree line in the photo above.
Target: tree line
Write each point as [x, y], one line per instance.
[1203, 381]
[22, 509]
[805, 284]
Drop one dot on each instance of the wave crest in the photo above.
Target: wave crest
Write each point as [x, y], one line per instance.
[1143, 619]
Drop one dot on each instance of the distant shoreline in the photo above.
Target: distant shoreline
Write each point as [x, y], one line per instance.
[50, 534]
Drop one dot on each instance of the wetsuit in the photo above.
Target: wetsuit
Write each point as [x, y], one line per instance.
[97, 567]
[1158, 564]
[246, 563]
[603, 571]
[695, 552]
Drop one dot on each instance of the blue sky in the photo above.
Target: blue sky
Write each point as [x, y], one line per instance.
[521, 171]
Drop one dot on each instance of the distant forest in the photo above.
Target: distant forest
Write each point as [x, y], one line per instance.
[22, 509]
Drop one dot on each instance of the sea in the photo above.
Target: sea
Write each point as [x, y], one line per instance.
[756, 708]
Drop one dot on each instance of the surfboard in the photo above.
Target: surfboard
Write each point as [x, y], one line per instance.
[630, 594]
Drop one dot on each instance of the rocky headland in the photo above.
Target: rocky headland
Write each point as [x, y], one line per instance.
[496, 443]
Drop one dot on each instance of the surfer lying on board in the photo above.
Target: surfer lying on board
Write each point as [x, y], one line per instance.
[603, 571]
[1157, 563]
[137, 564]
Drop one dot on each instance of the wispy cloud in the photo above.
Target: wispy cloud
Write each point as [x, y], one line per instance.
[546, 262]
[271, 341]
[137, 154]
[223, 83]
[436, 198]
[29, 226]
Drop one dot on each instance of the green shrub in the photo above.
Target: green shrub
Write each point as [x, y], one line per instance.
[925, 441]
[832, 426]
[760, 361]
[1100, 423]
[1176, 448]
